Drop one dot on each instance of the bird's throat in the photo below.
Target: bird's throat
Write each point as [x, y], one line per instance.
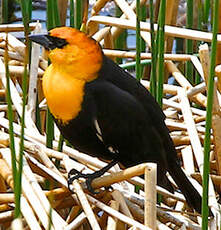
[64, 94]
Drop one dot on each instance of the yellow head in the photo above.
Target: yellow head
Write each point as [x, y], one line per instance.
[75, 60]
[73, 51]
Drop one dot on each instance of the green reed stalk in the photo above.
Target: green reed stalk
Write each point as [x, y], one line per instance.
[11, 132]
[153, 51]
[120, 41]
[138, 40]
[206, 11]
[143, 43]
[72, 23]
[57, 21]
[4, 18]
[189, 43]
[160, 58]
[49, 12]
[78, 13]
[206, 165]
[26, 17]
[199, 27]
[53, 21]
[53, 18]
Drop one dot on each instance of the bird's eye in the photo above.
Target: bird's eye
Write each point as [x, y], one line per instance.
[56, 42]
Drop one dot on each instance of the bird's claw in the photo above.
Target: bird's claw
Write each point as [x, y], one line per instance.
[74, 174]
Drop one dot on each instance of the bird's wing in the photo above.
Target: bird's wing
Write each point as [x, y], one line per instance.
[123, 124]
[112, 73]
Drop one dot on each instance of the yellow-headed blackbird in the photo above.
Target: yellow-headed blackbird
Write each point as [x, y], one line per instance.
[104, 112]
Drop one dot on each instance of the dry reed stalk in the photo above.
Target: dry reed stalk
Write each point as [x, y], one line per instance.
[98, 5]
[135, 209]
[6, 216]
[170, 89]
[216, 116]
[218, 74]
[115, 31]
[6, 198]
[171, 19]
[123, 206]
[215, 178]
[196, 144]
[12, 55]
[16, 27]
[76, 222]
[6, 172]
[145, 26]
[51, 173]
[33, 192]
[39, 152]
[116, 214]
[199, 98]
[7, 175]
[169, 103]
[17, 224]
[33, 76]
[150, 210]
[82, 198]
[108, 41]
[5, 207]
[180, 140]
[86, 206]
[176, 125]
[128, 12]
[132, 54]
[48, 163]
[197, 65]
[175, 219]
[101, 34]
[116, 177]
[200, 88]
[188, 161]
[16, 99]
[62, 7]
[14, 43]
[3, 187]
[19, 71]
[73, 214]
[191, 128]
[112, 222]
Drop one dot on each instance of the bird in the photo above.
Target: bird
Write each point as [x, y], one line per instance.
[104, 112]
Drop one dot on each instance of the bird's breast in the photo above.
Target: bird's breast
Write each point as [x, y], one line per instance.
[64, 93]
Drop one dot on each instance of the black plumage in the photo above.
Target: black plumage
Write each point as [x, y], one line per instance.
[132, 128]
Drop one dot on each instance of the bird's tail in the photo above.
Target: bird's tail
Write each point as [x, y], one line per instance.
[193, 198]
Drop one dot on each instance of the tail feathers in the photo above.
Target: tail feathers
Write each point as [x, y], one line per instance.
[193, 198]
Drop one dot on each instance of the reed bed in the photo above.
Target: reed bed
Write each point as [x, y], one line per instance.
[45, 200]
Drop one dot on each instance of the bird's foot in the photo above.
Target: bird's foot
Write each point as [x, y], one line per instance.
[74, 174]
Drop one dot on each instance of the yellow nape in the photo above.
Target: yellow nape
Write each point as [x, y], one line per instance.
[63, 92]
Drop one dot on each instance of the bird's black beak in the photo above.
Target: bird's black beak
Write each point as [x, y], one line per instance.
[41, 39]
[49, 42]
